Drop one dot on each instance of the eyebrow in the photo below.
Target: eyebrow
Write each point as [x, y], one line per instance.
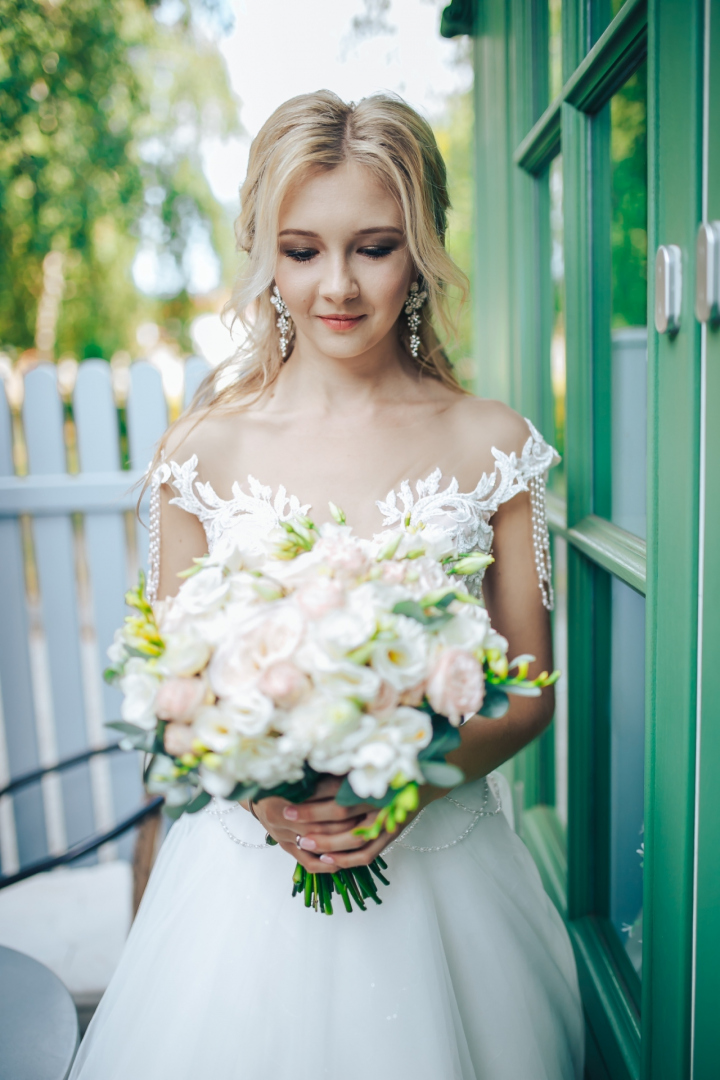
[360, 232]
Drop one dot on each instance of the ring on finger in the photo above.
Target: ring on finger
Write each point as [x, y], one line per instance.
[298, 838]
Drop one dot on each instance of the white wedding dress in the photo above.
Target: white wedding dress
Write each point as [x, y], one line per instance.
[465, 972]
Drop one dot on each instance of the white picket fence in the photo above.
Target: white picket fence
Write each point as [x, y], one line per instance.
[76, 535]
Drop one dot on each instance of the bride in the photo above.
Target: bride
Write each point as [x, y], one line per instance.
[342, 392]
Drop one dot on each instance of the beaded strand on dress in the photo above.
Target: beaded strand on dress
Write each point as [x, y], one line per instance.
[541, 540]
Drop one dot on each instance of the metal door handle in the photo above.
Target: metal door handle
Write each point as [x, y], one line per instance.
[707, 277]
[668, 288]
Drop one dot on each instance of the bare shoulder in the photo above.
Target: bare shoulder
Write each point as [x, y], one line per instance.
[203, 433]
[482, 424]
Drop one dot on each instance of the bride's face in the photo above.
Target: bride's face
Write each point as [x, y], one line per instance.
[343, 266]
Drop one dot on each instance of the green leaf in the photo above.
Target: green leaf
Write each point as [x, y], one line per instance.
[445, 738]
[412, 610]
[125, 728]
[201, 799]
[496, 703]
[174, 812]
[442, 773]
[243, 791]
[347, 797]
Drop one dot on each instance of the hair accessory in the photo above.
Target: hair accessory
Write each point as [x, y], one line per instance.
[414, 302]
[283, 319]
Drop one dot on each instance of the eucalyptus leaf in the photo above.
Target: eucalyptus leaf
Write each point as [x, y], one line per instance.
[243, 791]
[347, 797]
[445, 738]
[442, 773]
[201, 799]
[125, 728]
[412, 610]
[496, 703]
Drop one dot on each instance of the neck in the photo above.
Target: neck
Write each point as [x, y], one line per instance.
[314, 382]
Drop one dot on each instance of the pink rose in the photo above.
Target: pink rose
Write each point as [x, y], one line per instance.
[393, 572]
[456, 686]
[284, 683]
[344, 554]
[385, 700]
[414, 695]
[179, 739]
[319, 597]
[177, 699]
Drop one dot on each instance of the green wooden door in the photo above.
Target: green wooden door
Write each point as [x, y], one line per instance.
[595, 146]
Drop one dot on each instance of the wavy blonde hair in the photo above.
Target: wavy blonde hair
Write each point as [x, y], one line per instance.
[320, 131]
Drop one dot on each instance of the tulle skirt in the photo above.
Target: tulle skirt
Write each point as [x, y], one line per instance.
[465, 972]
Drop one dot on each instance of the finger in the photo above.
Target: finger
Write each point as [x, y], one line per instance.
[322, 843]
[327, 788]
[312, 863]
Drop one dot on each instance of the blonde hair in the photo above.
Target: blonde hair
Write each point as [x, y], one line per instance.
[320, 131]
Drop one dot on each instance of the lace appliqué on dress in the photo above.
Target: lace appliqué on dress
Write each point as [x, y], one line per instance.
[255, 514]
[467, 514]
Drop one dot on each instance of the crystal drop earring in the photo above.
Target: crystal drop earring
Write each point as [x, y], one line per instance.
[414, 302]
[283, 320]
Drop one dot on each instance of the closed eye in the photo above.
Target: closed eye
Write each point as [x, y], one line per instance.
[301, 254]
[376, 252]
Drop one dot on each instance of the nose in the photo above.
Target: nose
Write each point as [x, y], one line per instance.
[338, 284]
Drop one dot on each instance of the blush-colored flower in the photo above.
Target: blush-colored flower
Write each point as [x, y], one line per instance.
[320, 596]
[178, 739]
[177, 699]
[285, 683]
[456, 686]
[386, 699]
[414, 695]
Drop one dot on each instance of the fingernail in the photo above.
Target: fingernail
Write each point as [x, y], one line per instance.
[327, 858]
[307, 844]
[290, 813]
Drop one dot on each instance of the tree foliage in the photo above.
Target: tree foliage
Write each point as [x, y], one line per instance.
[101, 112]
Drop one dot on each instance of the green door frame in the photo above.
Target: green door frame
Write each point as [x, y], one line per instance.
[518, 132]
[707, 898]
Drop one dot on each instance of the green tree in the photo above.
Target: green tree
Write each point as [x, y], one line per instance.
[101, 112]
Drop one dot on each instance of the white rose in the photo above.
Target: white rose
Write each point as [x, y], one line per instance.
[401, 659]
[266, 761]
[203, 591]
[468, 630]
[343, 678]
[342, 631]
[177, 699]
[285, 683]
[251, 713]
[185, 654]
[320, 596]
[336, 753]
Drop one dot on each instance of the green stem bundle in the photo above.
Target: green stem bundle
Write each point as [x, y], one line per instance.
[356, 885]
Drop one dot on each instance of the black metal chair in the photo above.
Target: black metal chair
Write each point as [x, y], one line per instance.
[83, 847]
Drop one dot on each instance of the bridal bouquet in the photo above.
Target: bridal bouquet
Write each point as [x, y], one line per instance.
[315, 653]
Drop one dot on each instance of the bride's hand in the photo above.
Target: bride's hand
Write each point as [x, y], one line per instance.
[325, 829]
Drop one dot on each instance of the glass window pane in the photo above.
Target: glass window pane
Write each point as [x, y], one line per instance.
[560, 656]
[628, 236]
[555, 48]
[557, 341]
[627, 764]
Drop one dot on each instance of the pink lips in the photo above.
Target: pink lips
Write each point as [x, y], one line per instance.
[341, 322]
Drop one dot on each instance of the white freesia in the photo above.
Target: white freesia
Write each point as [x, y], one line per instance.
[400, 654]
[139, 687]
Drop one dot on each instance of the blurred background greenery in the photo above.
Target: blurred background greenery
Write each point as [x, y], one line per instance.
[116, 233]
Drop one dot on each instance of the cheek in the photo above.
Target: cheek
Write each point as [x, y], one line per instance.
[386, 285]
